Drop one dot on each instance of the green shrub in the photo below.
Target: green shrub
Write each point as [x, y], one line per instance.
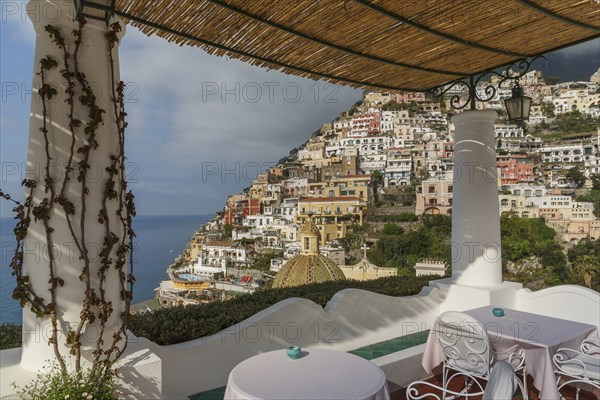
[179, 324]
[52, 384]
[10, 336]
[402, 249]
[262, 262]
[392, 229]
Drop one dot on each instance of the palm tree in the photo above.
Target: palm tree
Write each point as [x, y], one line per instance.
[588, 267]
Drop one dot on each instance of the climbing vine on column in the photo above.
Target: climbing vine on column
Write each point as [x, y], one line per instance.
[115, 256]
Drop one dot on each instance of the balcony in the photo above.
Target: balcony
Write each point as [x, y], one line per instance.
[361, 320]
[398, 353]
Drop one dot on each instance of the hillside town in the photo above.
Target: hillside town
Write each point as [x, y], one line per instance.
[390, 159]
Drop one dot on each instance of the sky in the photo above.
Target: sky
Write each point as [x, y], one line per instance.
[200, 127]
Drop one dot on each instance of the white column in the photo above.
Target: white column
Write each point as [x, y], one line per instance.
[94, 63]
[476, 255]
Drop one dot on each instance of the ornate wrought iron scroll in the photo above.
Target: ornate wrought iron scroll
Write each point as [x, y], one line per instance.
[476, 88]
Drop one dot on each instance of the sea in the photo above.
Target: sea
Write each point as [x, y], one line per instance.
[160, 239]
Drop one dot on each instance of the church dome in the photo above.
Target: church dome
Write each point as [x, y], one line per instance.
[303, 269]
[309, 266]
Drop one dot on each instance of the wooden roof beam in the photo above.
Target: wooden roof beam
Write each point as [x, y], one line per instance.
[559, 17]
[332, 45]
[443, 35]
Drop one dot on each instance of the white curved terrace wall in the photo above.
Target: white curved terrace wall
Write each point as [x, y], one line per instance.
[352, 319]
[570, 302]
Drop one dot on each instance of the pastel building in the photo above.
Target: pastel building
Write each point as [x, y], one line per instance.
[408, 97]
[217, 253]
[434, 195]
[514, 169]
[332, 215]
[365, 124]
[350, 185]
[398, 169]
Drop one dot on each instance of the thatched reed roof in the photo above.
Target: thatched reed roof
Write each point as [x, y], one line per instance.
[388, 44]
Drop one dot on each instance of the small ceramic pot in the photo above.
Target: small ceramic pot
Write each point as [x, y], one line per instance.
[293, 352]
[498, 312]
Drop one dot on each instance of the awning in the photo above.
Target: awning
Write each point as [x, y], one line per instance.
[386, 44]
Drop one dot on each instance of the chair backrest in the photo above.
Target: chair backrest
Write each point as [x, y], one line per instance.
[579, 364]
[591, 347]
[502, 384]
[464, 342]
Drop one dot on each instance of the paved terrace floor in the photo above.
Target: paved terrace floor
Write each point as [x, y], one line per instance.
[568, 393]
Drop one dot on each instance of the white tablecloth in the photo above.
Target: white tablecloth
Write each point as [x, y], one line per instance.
[540, 336]
[318, 374]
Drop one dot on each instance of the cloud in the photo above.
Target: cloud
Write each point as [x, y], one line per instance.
[197, 112]
[16, 23]
[582, 48]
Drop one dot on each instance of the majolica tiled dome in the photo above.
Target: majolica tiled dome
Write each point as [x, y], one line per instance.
[309, 266]
[304, 268]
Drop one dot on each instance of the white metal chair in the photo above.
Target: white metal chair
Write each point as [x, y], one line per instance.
[503, 382]
[515, 356]
[413, 391]
[467, 350]
[578, 367]
[501, 385]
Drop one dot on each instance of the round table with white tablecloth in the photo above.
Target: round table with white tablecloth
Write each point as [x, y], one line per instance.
[318, 374]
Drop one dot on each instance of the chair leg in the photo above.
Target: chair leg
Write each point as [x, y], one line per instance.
[446, 382]
[521, 387]
[525, 390]
[444, 377]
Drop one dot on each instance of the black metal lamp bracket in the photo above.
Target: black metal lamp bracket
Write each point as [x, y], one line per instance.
[468, 93]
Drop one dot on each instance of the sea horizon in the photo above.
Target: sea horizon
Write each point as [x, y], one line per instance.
[160, 239]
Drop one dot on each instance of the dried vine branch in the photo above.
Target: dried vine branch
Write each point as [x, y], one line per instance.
[116, 249]
[23, 291]
[123, 212]
[44, 210]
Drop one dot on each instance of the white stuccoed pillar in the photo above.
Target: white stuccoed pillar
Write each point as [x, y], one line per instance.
[94, 62]
[476, 254]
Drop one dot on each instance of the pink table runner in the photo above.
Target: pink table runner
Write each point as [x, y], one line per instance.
[539, 335]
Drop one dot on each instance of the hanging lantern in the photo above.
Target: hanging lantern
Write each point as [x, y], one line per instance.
[518, 105]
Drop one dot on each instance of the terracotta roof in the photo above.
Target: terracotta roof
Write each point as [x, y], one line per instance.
[389, 44]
